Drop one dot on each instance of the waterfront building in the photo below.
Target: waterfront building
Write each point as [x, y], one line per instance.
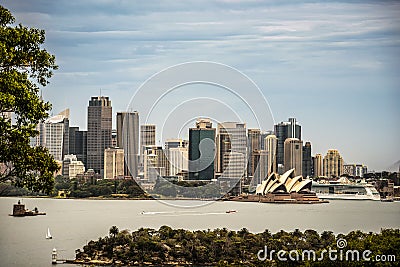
[78, 143]
[333, 164]
[288, 182]
[128, 139]
[284, 130]
[293, 155]
[201, 150]
[98, 131]
[254, 145]
[271, 142]
[147, 138]
[307, 160]
[355, 170]
[113, 163]
[318, 165]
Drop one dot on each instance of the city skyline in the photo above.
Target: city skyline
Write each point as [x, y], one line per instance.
[331, 65]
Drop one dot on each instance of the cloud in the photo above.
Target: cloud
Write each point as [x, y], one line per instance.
[299, 52]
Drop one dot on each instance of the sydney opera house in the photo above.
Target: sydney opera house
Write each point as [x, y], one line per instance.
[285, 183]
[285, 188]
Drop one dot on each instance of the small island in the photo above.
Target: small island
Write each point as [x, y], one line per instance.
[223, 247]
[20, 211]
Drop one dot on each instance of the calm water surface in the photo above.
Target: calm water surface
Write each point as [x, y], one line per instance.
[74, 222]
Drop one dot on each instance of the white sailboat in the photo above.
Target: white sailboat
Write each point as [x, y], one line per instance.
[48, 235]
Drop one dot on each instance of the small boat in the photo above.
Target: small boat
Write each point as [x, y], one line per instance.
[387, 199]
[48, 235]
[230, 211]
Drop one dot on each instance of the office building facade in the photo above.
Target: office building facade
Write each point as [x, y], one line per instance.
[98, 131]
[113, 163]
[128, 139]
[284, 130]
[318, 165]
[201, 150]
[307, 160]
[147, 138]
[271, 142]
[293, 149]
[333, 164]
[254, 145]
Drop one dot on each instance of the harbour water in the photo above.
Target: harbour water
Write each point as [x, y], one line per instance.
[75, 222]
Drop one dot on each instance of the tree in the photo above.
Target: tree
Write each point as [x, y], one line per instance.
[24, 66]
[114, 231]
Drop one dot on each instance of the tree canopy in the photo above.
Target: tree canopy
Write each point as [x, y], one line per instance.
[24, 66]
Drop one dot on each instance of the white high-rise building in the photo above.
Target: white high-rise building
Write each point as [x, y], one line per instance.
[178, 160]
[55, 135]
[231, 137]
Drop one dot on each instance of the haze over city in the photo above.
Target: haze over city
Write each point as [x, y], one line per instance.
[332, 65]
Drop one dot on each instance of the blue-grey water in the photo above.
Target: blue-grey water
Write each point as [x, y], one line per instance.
[74, 222]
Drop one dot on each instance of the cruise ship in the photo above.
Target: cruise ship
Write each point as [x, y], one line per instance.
[343, 189]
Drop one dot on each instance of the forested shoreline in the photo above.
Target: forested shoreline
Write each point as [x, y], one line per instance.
[223, 247]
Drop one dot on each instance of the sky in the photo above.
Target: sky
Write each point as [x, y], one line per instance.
[333, 65]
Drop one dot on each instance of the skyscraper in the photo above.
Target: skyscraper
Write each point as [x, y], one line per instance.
[333, 163]
[201, 150]
[284, 130]
[128, 139]
[231, 137]
[78, 144]
[271, 142]
[98, 131]
[318, 165]
[254, 145]
[147, 138]
[56, 135]
[262, 139]
[307, 160]
[262, 167]
[293, 155]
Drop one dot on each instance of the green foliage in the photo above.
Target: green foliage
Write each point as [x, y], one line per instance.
[222, 247]
[190, 189]
[98, 188]
[24, 66]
